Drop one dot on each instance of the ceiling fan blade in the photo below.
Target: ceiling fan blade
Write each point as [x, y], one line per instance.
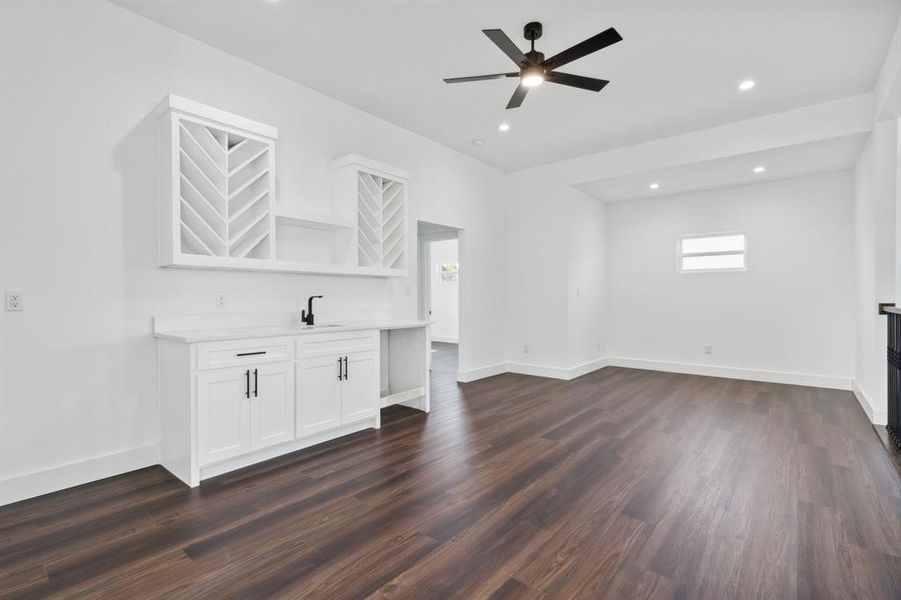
[480, 77]
[585, 83]
[592, 44]
[502, 41]
[518, 96]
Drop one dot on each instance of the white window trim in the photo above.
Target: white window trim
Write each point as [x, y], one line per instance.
[679, 254]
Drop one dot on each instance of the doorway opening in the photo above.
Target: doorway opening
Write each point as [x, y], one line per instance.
[439, 295]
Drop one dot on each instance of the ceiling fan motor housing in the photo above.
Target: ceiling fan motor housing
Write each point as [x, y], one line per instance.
[534, 57]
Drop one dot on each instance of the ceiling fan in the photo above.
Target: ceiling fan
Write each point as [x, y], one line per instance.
[534, 69]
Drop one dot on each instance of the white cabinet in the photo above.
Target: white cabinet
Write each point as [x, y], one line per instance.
[217, 205]
[335, 390]
[318, 394]
[231, 403]
[244, 409]
[374, 196]
[272, 405]
[216, 187]
[360, 387]
[223, 414]
[337, 381]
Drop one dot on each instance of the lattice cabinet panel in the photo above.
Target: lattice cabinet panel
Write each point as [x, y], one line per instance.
[249, 198]
[381, 221]
[217, 181]
[377, 195]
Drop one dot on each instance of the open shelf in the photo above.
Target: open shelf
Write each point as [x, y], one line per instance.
[389, 399]
[313, 221]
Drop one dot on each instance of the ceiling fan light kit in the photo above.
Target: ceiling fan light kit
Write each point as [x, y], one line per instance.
[534, 69]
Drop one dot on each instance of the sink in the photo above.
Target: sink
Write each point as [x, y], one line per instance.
[322, 326]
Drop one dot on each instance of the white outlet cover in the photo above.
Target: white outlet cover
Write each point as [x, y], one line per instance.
[14, 301]
[221, 299]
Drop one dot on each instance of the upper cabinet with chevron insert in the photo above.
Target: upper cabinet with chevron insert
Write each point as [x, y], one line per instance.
[217, 187]
[218, 207]
[374, 196]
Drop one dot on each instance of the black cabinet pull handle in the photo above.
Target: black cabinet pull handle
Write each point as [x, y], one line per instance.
[256, 382]
[339, 369]
[251, 353]
[345, 367]
[247, 379]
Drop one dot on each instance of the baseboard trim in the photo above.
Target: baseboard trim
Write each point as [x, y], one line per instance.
[565, 373]
[588, 367]
[806, 379]
[38, 483]
[481, 372]
[537, 370]
[876, 417]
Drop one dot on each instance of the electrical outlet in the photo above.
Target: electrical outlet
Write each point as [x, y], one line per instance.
[708, 350]
[14, 301]
[578, 290]
[525, 349]
[409, 290]
[221, 299]
[598, 346]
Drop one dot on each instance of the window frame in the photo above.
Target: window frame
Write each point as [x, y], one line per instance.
[680, 255]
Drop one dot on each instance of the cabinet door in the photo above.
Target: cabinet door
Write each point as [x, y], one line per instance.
[318, 395]
[360, 389]
[272, 404]
[223, 414]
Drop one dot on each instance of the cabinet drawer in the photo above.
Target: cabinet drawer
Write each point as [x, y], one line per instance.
[232, 353]
[322, 344]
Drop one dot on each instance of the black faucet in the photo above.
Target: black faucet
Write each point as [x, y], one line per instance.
[307, 315]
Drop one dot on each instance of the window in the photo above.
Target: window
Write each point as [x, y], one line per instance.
[449, 271]
[712, 252]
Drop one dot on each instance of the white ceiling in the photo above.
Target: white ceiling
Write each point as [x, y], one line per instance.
[833, 154]
[676, 70]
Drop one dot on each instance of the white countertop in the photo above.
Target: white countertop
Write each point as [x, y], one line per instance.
[237, 333]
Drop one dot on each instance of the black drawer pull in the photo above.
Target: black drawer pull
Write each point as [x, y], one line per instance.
[251, 353]
[247, 378]
[256, 383]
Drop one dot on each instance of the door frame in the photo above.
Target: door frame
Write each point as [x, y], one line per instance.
[426, 233]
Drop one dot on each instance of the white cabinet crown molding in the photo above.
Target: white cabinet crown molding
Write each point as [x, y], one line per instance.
[204, 111]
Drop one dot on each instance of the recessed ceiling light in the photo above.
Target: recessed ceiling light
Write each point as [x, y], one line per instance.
[504, 127]
[759, 169]
[654, 186]
[478, 142]
[746, 85]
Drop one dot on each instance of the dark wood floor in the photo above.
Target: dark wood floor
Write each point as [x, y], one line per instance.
[620, 484]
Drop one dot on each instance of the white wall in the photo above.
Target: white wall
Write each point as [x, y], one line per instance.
[789, 313]
[444, 295]
[587, 291]
[79, 80]
[555, 237]
[877, 202]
